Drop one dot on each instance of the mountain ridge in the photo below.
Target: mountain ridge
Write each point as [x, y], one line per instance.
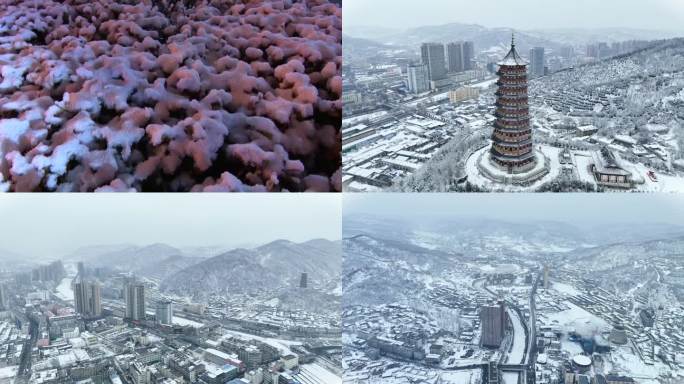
[272, 266]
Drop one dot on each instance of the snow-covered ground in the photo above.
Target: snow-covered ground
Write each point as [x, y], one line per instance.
[461, 377]
[665, 183]
[565, 288]
[575, 318]
[475, 175]
[64, 290]
[582, 161]
[517, 352]
[510, 377]
[500, 268]
[281, 344]
[525, 246]
[316, 374]
[7, 374]
[485, 84]
[571, 347]
[186, 322]
[625, 360]
[349, 121]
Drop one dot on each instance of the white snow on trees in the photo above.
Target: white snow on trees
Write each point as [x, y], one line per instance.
[142, 96]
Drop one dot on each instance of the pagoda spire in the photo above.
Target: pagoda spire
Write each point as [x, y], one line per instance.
[512, 39]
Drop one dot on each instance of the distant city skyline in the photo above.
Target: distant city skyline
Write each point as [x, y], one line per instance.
[657, 15]
[49, 227]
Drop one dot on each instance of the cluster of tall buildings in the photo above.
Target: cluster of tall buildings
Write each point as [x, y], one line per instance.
[87, 294]
[460, 56]
[49, 272]
[88, 299]
[603, 50]
[599, 51]
[538, 65]
[437, 61]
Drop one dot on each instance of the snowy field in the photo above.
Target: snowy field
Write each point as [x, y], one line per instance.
[576, 318]
[139, 96]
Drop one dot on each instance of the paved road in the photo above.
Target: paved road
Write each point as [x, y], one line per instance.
[24, 373]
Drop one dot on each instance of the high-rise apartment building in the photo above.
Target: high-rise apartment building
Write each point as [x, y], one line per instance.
[3, 297]
[455, 57]
[418, 81]
[432, 55]
[164, 312]
[493, 323]
[468, 55]
[134, 295]
[537, 62]
[80, 266]
[304, 280]
[88, 298]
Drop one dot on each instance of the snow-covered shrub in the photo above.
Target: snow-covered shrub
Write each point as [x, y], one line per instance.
[161, 95]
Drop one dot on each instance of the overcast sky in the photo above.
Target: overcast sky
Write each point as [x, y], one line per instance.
[519, 14]
[45, 224]
[576, 208]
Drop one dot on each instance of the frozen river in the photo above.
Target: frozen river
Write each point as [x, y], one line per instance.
[517, 352]
[516, 355]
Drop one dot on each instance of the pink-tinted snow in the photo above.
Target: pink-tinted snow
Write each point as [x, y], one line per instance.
[143, 95]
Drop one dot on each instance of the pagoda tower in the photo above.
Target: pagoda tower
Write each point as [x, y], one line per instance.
[512, 148]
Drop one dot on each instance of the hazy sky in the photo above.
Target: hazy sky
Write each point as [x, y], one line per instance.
[577, 208]
[45, 224]
[520, 14]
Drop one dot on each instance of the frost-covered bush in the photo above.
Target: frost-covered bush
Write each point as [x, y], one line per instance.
[142, 95]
